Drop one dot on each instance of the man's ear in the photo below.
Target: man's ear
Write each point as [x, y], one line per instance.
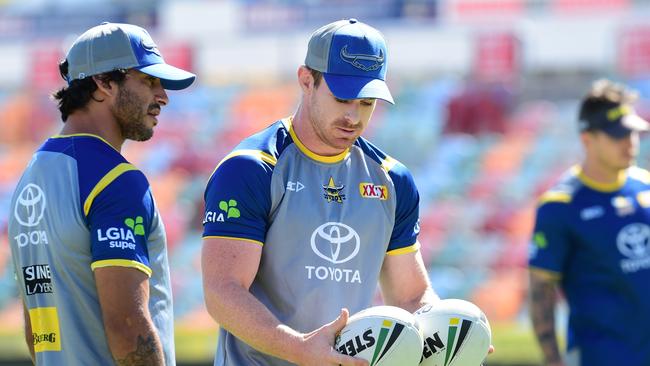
[586, 138]
[305, 79]
[104, 86]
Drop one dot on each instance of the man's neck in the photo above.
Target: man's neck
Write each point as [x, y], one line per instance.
[601, 174]
[95, 124]
[305, 132]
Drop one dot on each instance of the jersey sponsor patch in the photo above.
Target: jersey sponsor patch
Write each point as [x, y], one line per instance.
[123, 237]
[370, 190]
[591, 213]
[336, 243]
[38, 279]
[45, 329]
[228, 210]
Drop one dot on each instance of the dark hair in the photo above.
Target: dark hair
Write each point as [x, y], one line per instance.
[603, 95]
[317, 75]
[79, 92]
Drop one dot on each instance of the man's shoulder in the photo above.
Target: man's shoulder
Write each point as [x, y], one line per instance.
[563, 190]
[265, 145]
[639, 175]
[387, 162]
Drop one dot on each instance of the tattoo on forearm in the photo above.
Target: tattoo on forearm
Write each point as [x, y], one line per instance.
[145, 354]
[543, 316]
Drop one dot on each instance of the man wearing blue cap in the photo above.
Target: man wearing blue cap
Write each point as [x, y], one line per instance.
[592, 241]
[305, 217]
[87, 241]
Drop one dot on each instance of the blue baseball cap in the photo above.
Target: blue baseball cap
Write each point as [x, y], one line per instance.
[113, 46]
[352, 57]
[617, 121]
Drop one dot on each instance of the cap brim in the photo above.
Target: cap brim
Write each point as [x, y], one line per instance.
[628, 124]
[171, 77]
[355, 87]
[635, 123]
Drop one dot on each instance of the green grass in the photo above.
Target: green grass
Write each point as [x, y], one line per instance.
[514, 344]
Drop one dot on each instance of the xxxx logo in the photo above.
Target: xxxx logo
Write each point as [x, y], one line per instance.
[456, 336]
[135, 225]
[230, 208]
[369, 190]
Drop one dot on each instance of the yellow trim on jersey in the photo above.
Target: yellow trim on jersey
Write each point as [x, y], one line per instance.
[233, 238]
[309, 153]
[121, 263]
[410, 249]
[599, 186]
[554, 196]
[546, 274]
[258, 154]
[388, 163]
[45, 325]
[85, 134]
[104, 182]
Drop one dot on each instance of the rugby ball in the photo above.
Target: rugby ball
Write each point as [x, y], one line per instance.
[382, 335]
[456, 333]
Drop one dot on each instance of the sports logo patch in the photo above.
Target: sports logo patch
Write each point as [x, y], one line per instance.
[363, 61]
[623, 205]
[333, 192]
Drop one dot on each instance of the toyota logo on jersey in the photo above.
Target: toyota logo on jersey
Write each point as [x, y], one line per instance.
[335, 242]
[30, 205]
[633, 241]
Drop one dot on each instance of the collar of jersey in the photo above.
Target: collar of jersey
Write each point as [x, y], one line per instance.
[598, 186]
[323, 159]
[85, 134]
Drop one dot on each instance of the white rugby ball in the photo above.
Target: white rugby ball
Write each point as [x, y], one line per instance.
[456, 333]
[382, 335]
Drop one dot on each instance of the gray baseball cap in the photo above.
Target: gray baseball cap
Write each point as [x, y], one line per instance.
[113, 46]
[352, 57]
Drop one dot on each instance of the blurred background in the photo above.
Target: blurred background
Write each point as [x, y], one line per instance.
[486, 100]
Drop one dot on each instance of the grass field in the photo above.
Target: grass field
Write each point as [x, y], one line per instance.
[515, 346]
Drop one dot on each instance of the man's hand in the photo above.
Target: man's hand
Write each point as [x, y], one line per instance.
[319, 345]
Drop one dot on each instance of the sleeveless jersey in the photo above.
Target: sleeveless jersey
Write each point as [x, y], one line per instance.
[325, 225]
[595, 239]
[78, 206]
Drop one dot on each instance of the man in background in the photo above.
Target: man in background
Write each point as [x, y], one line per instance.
[87, 241]
[592, 241]
[305, 217]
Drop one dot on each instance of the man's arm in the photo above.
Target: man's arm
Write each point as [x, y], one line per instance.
[29, 335]
[404, 282]
[124, 297]
[542, 310]
[229, 267]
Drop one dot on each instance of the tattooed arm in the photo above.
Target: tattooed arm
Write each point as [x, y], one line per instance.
[542, 310]
[124, 296]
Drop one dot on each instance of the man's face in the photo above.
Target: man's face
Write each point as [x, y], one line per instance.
[614, 153]
[138, 104]
[336, 122]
